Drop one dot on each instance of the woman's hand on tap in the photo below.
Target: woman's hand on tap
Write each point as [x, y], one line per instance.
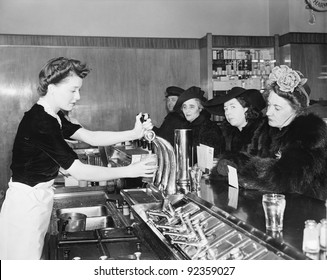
[142, 124]
[143, 168]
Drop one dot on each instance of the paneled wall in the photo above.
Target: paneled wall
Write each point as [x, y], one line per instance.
[129, 75]
[307, 52]
[312, 60]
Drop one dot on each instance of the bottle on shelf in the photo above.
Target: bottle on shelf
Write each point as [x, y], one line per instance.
[234, 63]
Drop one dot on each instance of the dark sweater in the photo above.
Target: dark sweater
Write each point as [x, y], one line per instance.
[40, 147]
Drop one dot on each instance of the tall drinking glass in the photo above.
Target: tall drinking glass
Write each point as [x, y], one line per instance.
[154, 161]
[274, 206]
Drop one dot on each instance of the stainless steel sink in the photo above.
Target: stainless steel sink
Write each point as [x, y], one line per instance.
[100, 222]
[91, 202]
[97, 217]
[91, 211]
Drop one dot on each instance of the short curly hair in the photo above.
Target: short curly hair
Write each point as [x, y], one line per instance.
[57, 69]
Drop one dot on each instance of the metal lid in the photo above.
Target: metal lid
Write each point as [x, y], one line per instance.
[309, 223]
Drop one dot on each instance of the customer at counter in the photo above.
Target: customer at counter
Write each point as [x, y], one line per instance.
[40, 150]
[242, 110]
[290, 145]
[204, 130]
[173, 120]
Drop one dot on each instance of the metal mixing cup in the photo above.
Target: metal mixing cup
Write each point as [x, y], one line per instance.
[183, 147]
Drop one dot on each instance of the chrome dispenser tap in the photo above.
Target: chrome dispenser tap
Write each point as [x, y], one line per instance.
[149, 136]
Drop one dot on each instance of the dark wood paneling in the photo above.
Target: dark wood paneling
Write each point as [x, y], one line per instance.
[220, 41]
[89, 41]
[123, 82]
[311, 60]
[302, 38]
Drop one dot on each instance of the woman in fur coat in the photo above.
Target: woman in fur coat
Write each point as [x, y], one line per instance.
[288, 153]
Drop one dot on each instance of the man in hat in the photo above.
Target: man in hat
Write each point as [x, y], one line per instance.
[173, 120]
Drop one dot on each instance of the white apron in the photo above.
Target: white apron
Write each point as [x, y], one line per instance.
[24, 220]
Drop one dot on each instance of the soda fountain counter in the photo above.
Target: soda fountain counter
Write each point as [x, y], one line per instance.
[248, 208]
[219, 221]
[207, 225]
[216, 222]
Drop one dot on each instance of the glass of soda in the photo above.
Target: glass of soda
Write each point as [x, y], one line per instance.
[274, 207]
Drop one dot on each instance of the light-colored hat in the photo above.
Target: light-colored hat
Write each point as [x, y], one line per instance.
[291, 85]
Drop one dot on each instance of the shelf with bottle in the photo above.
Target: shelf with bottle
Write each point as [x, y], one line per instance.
[253, 82]
[231, 64]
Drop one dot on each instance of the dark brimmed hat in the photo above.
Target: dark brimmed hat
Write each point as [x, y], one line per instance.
[174, 91]
[251, 96]
[190, 93]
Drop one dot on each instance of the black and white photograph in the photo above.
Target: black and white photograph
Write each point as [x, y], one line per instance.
[168, 138]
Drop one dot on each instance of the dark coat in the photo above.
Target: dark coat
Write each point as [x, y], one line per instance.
[208, 133]
[172, 121]
[290, 160]
[240, 140]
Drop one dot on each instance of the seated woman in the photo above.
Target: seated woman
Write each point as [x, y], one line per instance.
[242, 109]
[290, 146]
[205, 131]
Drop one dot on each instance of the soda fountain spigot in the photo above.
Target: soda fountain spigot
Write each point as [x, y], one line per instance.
[149, 136]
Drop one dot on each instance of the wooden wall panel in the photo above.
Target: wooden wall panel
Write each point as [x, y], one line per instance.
[302, 38]
[223, 41]
[206, 64]
[308, 54]
[123, 82]
[311, 60]
[96, 41]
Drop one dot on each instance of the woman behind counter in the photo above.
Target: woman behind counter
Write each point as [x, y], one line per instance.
[242, 111]
[204, 130]
[290, 145]
[40, 149]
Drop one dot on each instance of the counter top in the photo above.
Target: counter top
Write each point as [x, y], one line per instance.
[247, 206]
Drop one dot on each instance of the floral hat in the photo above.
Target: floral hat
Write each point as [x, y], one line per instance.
[292, 83]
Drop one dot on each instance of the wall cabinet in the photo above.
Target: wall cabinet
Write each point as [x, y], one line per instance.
[248, 68]
[305, 52]
[243, 61]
